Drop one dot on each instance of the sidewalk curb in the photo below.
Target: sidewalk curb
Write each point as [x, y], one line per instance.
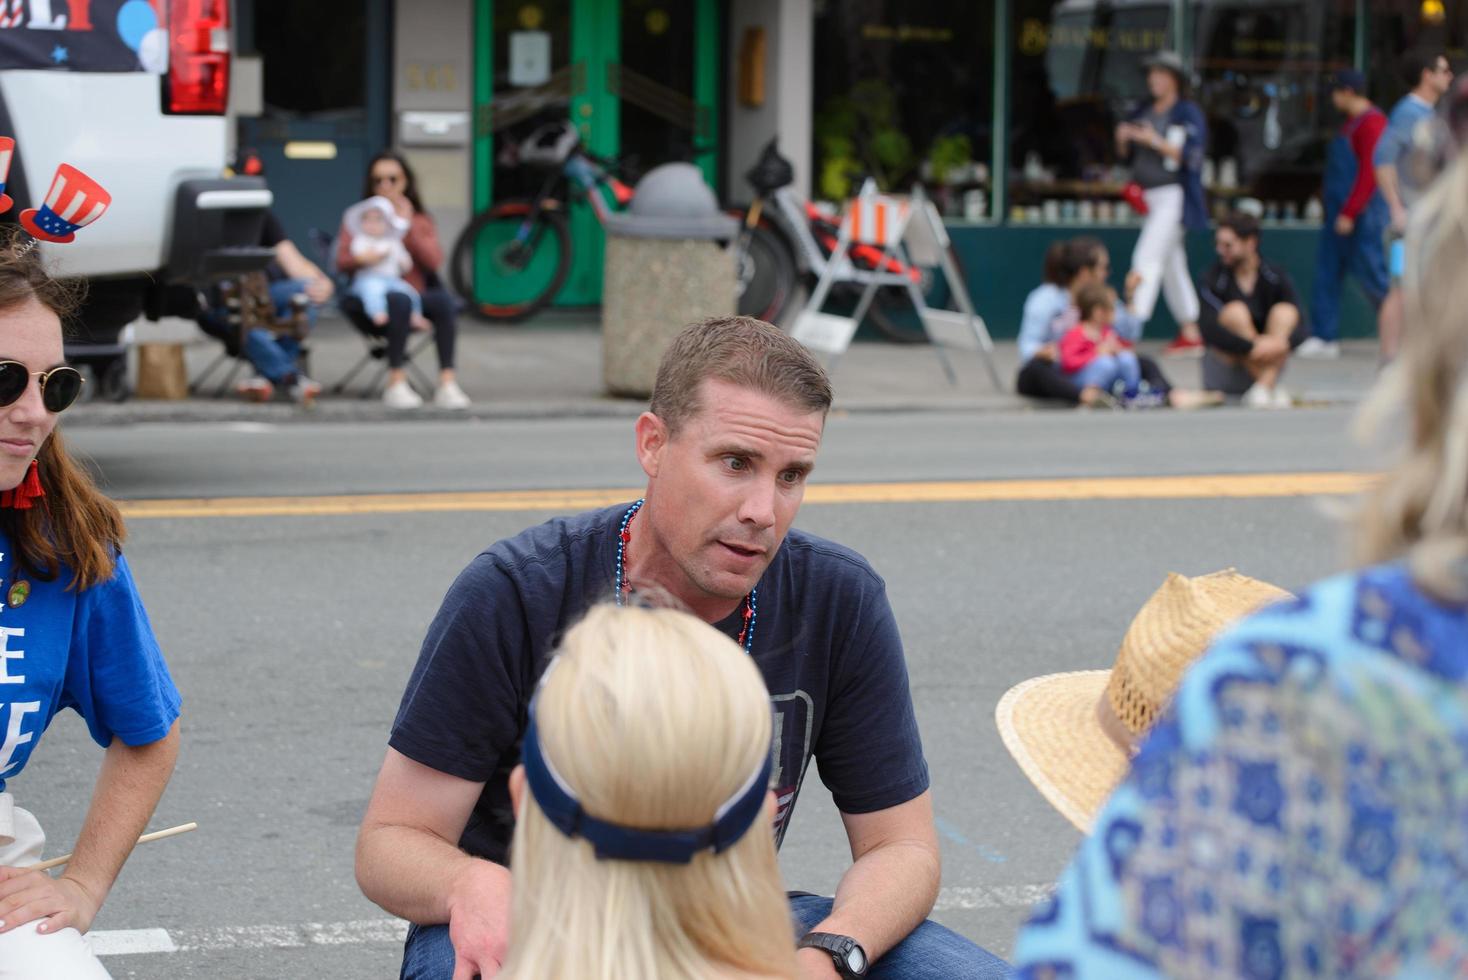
[196, 412]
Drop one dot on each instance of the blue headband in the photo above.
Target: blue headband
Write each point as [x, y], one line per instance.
[615, 842]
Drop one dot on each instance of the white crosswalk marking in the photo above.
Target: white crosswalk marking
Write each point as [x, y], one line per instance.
[999, 897]
[117, 942]
[122, 942]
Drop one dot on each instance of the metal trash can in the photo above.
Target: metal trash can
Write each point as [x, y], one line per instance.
[667, 265]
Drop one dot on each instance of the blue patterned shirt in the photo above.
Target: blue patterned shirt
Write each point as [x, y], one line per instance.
[1301, 811]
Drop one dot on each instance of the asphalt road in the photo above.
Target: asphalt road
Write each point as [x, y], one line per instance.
[291, 638]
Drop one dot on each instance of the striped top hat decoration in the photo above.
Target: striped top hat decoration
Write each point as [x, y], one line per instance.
[73, 202]
[7, 153]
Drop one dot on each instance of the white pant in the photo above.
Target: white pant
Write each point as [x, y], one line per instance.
[24, 953]
[1161, 258]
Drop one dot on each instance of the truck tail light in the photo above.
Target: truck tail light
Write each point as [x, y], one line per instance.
[198, 57]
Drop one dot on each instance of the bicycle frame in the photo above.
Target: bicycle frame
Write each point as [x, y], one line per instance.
[792, 209]
[584, 177]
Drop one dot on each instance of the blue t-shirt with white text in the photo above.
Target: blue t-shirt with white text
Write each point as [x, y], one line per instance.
[91, 650]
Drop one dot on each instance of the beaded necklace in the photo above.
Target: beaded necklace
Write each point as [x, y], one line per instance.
[624, 587]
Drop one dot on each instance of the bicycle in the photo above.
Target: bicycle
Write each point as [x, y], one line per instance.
[528, 240]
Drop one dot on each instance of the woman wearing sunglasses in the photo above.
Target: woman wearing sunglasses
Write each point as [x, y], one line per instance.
[389, 176]
[73, 633]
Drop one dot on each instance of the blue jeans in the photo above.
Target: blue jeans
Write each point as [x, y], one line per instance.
[274, 357]
[1106, 370]
[282, 291]
[930, 952]
[1361, 254]
[373, 290]
[277, 358]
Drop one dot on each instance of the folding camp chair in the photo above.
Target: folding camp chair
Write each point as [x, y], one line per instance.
[229, 310]
[374, 337]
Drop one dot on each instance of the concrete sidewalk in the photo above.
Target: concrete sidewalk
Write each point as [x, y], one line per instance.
[553, 369]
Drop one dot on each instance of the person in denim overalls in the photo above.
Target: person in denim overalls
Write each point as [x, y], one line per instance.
[1355, 215]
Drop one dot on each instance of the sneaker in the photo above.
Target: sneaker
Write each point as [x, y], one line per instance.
[450, 395]
[401, 395]
[1317, 349]
[1258, 396]
[1144, 400]
[1282, 398]
[1183, 347]
[304, 391]
[256, 389]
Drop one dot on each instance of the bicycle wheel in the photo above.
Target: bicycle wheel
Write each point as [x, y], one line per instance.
[892, 313]
[765, 274]
[506, 273]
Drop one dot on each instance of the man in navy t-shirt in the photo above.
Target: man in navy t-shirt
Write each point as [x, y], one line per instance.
[736, 420]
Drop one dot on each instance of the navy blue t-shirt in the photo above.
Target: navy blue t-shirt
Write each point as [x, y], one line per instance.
[825, 641]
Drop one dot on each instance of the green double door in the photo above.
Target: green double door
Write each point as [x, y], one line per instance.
[639, 78]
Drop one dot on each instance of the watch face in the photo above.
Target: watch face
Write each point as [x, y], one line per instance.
[856, 960]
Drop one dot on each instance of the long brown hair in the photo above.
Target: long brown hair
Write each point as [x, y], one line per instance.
[73, 524]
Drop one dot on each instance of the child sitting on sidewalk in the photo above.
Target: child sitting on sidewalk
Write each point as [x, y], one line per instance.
[1091, 353]
[377, 243]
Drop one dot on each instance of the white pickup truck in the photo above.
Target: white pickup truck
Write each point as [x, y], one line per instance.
[134, 94]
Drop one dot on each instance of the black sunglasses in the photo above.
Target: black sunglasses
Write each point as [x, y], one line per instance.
[59, 386]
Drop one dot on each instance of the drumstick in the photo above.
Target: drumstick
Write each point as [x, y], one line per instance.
[182, 828]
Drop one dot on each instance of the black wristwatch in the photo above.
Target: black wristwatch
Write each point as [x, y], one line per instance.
[846, 953]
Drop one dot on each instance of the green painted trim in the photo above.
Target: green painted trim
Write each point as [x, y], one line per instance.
[482, 146]
[706, 64]
[1002, 265]
[596, 44]
[999, 150]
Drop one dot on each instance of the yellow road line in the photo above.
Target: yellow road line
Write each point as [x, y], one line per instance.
[953, 491]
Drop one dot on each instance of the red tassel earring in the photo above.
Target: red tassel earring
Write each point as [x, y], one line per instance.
[30, 488]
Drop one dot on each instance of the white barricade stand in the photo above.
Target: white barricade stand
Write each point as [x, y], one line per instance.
[909, 232]
[928, 246]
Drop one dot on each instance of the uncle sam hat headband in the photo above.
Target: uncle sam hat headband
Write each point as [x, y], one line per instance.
[73, 201]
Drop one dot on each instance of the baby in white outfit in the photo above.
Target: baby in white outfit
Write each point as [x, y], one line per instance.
[377, 243]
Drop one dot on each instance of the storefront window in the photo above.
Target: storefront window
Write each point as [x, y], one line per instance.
[1260, 71]
[1077, 71]
[904, 94]
[1264, 73]
[1402, 27]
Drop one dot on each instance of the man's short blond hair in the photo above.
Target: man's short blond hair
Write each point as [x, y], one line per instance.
[743, 351]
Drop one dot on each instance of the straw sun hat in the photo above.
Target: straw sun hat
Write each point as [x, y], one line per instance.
[1073, 734]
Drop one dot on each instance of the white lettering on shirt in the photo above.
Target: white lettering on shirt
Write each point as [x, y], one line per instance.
[13, 736]
[7, 655]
